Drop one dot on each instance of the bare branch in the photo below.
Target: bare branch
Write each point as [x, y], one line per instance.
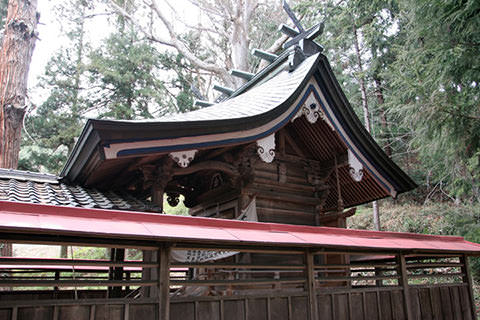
[173, 41]
[180, 46]
[124, 13]
[215, 12]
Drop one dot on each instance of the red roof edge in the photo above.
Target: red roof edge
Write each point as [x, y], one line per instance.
[134, 216]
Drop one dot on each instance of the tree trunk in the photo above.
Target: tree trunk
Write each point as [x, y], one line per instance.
[239, 38]
[366, 112]
[383, 117]
[15, 57]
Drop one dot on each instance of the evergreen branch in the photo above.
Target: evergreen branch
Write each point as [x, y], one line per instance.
[472, 117]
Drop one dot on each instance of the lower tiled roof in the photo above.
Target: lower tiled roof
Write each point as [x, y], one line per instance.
[31, 187]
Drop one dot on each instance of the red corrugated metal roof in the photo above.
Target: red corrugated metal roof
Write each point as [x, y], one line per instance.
[95, 223]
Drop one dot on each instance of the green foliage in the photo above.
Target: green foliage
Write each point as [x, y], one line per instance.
[51, 129]
[178, 210]
[435, 84]
[89, 253]
[123, 72]
[434, 218]
[3, 11]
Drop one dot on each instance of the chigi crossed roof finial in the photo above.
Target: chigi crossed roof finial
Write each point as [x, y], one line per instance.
[302, 41]
[303, 38]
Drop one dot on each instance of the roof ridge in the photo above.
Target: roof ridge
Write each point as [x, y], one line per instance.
[28, 176]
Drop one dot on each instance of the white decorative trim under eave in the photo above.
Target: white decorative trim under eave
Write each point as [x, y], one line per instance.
[266, 148]
[312, 111]
[183, 158]
[355, 167]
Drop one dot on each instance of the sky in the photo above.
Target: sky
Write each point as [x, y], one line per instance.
[51, 39]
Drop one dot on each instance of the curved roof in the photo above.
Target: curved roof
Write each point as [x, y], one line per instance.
[261, 107]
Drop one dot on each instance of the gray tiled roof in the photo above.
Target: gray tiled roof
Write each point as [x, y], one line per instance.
[23, 186]
[263, 97]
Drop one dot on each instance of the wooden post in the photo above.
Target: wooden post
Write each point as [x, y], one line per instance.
[468, 280]
[164, 283]
[311, 286]
[149, 273]
[403, 281]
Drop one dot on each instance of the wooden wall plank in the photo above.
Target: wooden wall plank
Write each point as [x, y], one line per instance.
[398, 310]
[7, 314]
[371, 305]
[456, 303]
[385, 306]
[182, 311]
[356, 300]
[208, 310]
[142, 311]
[324, 303]
[257, 308]
[279, 308]
[467, 278]
[341, 306]
[414, 303]
[74, 312]
[35, 313]
[465, 303]
[425, 304]
[234, 309]
[436, 303]
[446, 303]
[299, 308]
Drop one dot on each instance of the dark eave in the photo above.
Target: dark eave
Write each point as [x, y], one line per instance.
[102, 133]
[259, 108]
[357, 131]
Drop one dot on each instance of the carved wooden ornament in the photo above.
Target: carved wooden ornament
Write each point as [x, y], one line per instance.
[355, 167]
[312, 111]
[266, 148]
[183, 158]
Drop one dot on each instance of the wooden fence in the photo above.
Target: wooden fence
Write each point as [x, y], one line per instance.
[252, 284]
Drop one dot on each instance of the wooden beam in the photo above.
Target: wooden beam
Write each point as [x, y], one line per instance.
[237, 266]
[207, 165]
[235, 282]
[311, 286]
[403, 282]
[72, 262]
[293, 144]
[75, 283]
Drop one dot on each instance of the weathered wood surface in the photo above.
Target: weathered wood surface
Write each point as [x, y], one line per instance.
[306, 285]
[437, 302]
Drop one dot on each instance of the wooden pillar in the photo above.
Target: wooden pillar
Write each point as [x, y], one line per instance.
[116, 273]
[119, 256]
[149, 256]
[403, 281]
[468, 280]
[164, 283]
[311, 286]
[157, 196]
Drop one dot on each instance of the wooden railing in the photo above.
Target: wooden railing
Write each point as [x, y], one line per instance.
[254, 283]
